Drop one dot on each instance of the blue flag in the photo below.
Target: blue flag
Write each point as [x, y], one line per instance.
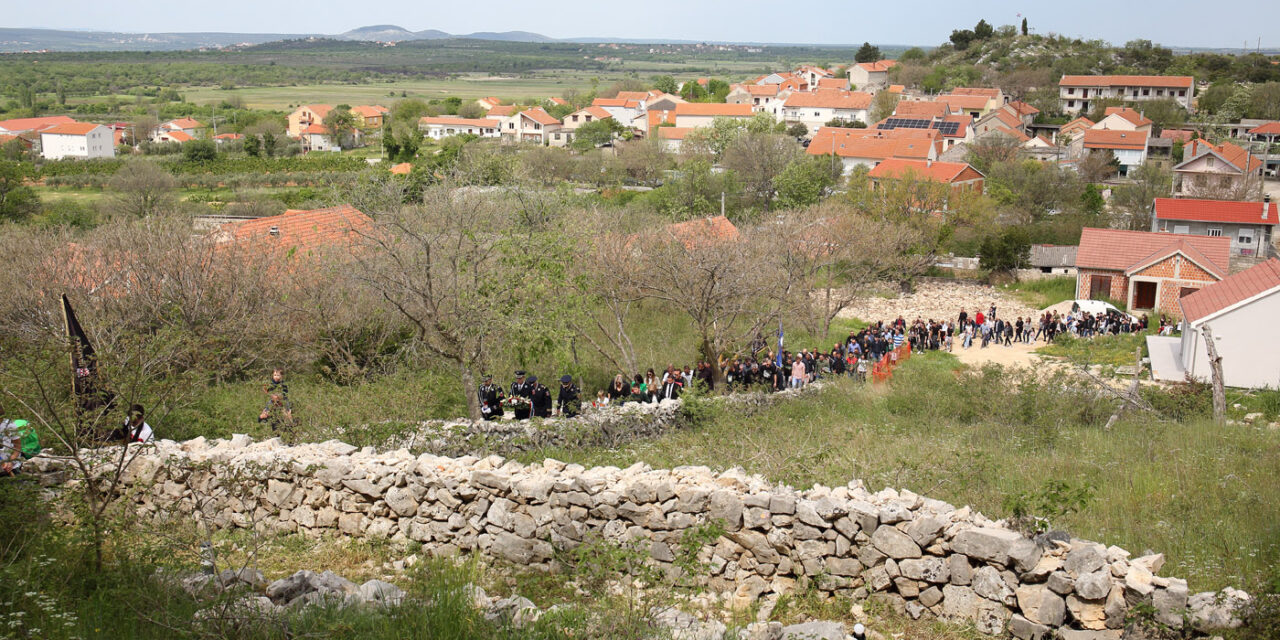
[778, 358]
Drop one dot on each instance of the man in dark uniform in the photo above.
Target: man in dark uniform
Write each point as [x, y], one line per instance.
[541, 397]
[491, 398]
[522, 389]
[670, 390]
[568, 401]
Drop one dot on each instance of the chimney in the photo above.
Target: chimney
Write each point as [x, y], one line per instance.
[1266, 205]
[274, 231]
[928, 163]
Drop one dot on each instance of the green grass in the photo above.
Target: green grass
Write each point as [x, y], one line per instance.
[1116, 350]
[1043, 293]
[1203, 495]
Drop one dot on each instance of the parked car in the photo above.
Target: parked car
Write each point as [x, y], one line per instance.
[1098, 307]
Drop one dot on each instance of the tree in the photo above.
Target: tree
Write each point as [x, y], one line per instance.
[1091, 202]
[883, 105]
[1132, 201]
[1098, 165]
[841, 123]
[470, 110]
[757, 159]
[868, 53]
[727, 286]
[468, 278]
[596, 133]
[713, 140]
[914, 54]
[342, 125]
[798, 130]
[1024, 26]
[666, 84]
[142, 188]
[143, 127]
[961, 38]
[268, 143]
[1005, 251]
[199, 150]
[1164, 114]
[17, 201]
[806, 180]
[644, 160]
[252, 145]
[1265, 101]
[982, 30]
[693, 91]
[830, 255]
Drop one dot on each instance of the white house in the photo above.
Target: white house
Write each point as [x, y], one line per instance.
[531, 125]
[316, 137]
[815, 109]
[763, 98]
[443, 127]
[1076, 93]
[1250, 225]
[1240, 310]
[1124, 119]
[189, 126]
[871, 76]
[77, 140]
[1129, 147]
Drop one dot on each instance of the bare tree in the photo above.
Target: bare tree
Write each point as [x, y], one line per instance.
[644, 160]
[465, 276]
[141, 188]
[725, 282]
[607, 272]
[831, 255]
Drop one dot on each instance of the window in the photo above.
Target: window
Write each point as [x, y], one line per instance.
[1146, 92]
[1246, 236]
[1210, 161]
[1182, 93]
[1071, 103]
[1216, 233]
[1159, 92]
[575, 118]
[1071, 91]
[1182, 228]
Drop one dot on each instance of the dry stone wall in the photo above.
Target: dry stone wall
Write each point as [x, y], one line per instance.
[923, 556]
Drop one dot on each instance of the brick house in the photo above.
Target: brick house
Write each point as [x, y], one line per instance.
[1148, 271]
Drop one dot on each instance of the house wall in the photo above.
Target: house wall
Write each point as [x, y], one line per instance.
[1261, 233]
[299, 119]
[1171, 275]
[816, 117]
[1077, 99]
[1119, 283]
[439, 131]
[96, 144]
[1250, 357]
[319, 142]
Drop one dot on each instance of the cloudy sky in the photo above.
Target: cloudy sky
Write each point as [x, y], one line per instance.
[1171, 22]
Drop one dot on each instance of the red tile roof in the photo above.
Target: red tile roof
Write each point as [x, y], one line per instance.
[830, 99]
[976, 91]
[947, 172]
[72, 129]
[616, 102]
[633, 95]
[1113, 139]
[539, 115]
[502, 110]
[228, 136]
[1177, 82]
[920, 109]
[316, 129]
[321, 110]
[713, 109]
[673, 133]
[1215, 211]
[897, 88]
[873, 144]
[1119, 250]
[1176, 134]
[879, 65]
[1267, 129]
[1130, 114]
[1233, 154]
[704, 230]
[299, 230]
[558, 101]
[1231, 290]
[833, 83]
[758, 89]
[369, 110]
[964, 102]
[1016, 134]
[178, 135]
[185, 123]
[1023, 109]
[27, 124]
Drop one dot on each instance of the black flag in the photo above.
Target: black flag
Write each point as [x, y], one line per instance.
[90, 397]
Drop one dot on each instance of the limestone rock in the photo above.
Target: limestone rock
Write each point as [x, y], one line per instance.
[988, 583]
[1024, 629]
[1040, 605]
[986, 543]
[816, 630]
[1089, 614]
[894, 543]
[1083, 559]
[1094, 586]
[928, 569]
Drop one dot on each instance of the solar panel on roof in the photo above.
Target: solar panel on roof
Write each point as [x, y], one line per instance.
[946, 128]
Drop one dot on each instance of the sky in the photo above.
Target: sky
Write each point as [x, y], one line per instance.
[1176, 23]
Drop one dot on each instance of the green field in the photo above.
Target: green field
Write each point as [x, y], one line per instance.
[471, 86]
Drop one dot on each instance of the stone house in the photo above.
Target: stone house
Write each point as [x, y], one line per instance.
[1146, 271]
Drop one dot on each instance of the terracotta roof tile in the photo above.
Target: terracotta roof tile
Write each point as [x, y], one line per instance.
[1267, 129]
[1231, 290]
[502, 110]
[713, 109]
[874, 144]
[1177, 82]
[833, 83]
[1183, 135]
[673, 133]
[1114, 139]
[964, 102]
[947, 172]
[1233, 154]
[185, 123]
[72, 129]
[704, 231]
[302, 231]
[830, 99]
[28, 124]
[987, 92]
[1215, 211]
[1118, 250]
[540, 116]
[920, 109]
[369, 110]
[1130, 114]
[879, 65]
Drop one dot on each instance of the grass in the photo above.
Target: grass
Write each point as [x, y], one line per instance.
[1115, 350]
[1202, 495]
[1043, 293]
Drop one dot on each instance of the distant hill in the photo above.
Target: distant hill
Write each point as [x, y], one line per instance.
[18, 40]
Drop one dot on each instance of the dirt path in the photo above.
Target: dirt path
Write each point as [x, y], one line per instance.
[1018, 354]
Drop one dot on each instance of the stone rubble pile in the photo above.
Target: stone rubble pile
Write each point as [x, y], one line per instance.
[940, 300]
[922, 556]
[608, 426]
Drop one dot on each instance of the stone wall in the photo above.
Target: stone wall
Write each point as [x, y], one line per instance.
[923, 556]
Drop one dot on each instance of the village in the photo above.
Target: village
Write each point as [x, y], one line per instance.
[764, 342]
